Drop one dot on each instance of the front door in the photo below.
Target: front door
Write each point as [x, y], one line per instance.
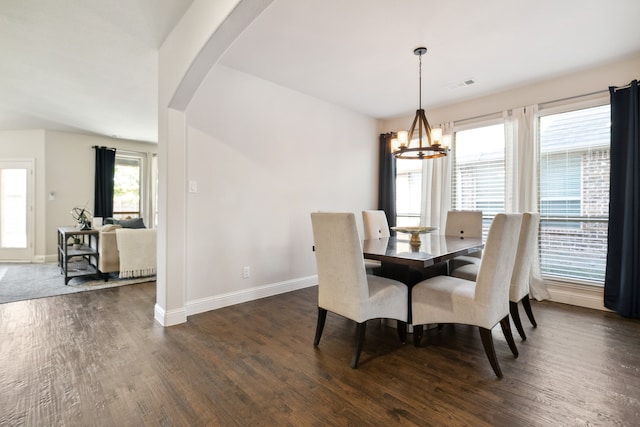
[16, 189]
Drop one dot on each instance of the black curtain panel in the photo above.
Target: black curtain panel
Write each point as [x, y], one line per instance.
[622, 277]
[105, 168]
[387, 179]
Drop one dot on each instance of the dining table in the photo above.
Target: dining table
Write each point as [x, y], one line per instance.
[410, 263]
[434, 250]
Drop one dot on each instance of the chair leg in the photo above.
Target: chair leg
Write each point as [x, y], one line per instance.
[506, 330]
[402, 331]
[360, 330]
[515, 315]
[527, 308]
[487, 343]
[322, 316]
[417, 335]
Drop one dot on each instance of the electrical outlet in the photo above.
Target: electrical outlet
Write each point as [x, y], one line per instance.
[246, 272]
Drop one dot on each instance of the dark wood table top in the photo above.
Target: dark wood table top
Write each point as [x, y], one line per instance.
[434, 248]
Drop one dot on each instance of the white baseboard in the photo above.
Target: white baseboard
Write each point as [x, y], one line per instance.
[245, 295]
[171, 317]
[45, 258]
[577, 294]
[562, 292]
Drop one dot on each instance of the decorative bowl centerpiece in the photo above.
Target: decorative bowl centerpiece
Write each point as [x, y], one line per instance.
[415, 233]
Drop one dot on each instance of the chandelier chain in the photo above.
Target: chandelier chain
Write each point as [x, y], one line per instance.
[420, 80]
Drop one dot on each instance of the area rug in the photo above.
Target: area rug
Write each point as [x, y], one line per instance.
[29, 281]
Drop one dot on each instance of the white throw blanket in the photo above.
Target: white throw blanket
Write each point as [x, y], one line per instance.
[137, 250]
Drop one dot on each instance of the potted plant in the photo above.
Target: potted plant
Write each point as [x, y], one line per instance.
[77, 242]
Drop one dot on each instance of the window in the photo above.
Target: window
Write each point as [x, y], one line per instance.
[574, 193]
[408, 192]
[573, 185]
[478, 172]
[127, 179]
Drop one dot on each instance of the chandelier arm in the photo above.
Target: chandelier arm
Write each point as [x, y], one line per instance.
[423, 119]
[412, 128]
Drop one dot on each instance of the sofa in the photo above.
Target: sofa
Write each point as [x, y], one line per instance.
[129, 251]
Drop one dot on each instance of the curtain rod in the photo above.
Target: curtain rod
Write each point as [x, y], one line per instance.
[482, 116]
[106, 148]
[569, 98]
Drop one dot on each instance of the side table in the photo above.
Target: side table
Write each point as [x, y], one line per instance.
[88, 250]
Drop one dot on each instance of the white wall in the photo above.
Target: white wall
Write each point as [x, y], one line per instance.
[188, 53]
[64, 165]
[264, 157]
[70, 164]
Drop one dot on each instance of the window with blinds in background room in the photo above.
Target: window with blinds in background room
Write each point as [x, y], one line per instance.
[478, 171]
[408, 192]
[574, 193]
[127, 186]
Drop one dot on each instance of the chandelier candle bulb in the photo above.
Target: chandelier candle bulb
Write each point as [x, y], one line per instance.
[436, 135]
[446, 141]
[403, 138]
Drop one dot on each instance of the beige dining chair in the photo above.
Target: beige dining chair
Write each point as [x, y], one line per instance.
[376, 226]
[344, 288]
[519, 288]
[483, 303]
[464, 224]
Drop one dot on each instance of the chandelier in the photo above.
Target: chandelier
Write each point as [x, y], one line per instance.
[429, 144]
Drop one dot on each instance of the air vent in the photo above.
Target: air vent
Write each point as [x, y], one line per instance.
[464, 83]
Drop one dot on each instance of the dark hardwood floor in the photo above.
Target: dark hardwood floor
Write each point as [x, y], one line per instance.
[98, 359]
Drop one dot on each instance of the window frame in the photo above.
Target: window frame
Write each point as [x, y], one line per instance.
[465, 125]
[146, 189]
[560, 107]
[409, 218]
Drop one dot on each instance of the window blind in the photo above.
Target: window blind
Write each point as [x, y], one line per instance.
[478, 171]
[574, 193]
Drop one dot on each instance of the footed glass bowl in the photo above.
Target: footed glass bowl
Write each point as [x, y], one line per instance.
[415, 233]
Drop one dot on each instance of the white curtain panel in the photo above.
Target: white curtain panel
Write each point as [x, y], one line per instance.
[436, 187]
[522, 178]
[520, 140]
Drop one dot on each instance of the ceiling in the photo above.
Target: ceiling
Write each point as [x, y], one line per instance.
[90, 65]
[83, 65]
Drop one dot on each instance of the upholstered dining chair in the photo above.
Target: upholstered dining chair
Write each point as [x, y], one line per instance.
[519, 289]
[344, 288]
[376, 226]
[464, 224]
[483, 303]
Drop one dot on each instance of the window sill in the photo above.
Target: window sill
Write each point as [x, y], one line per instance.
[574, 293]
